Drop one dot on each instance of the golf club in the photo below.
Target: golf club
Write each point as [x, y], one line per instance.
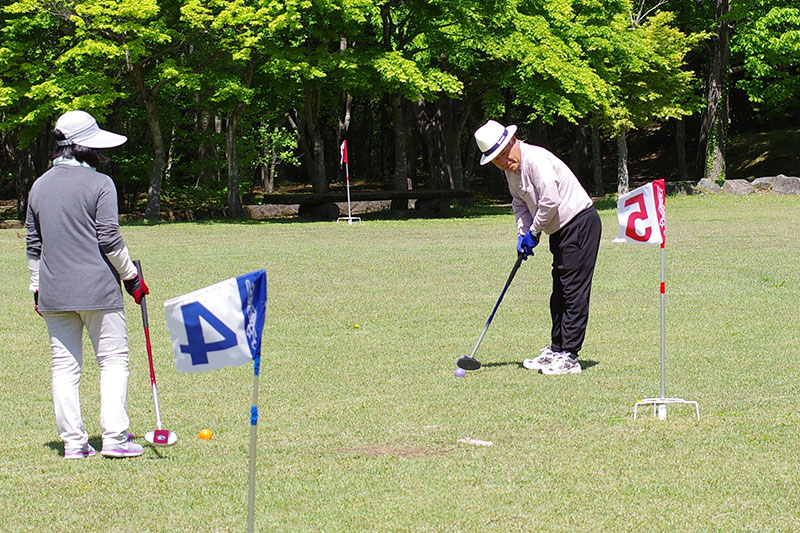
[468, 362]
[159, 437]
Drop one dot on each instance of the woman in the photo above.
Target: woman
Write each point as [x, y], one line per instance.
[76, 258]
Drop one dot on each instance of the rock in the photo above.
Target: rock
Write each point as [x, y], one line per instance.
[779, 184]
[786, 185]
[738, 187]
[762, 184]
[708, 186]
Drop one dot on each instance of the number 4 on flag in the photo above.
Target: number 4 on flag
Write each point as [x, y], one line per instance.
[641, 215]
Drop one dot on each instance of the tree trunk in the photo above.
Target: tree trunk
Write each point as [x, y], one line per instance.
[204, 175]
[457, 122]
[269, 177]
[153, 210]
[30, 163]
[680, 147]
[234, 194]
[345, 107]
[231, 153]
[579, 152]
[713, 130]
[597, 163]
[429, 119]
[400, 162]
[442, 124]
[319, 182]
[309, 139]
[622, 164]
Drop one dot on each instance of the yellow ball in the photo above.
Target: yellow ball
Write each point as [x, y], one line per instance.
[356, 326]
[205, 434]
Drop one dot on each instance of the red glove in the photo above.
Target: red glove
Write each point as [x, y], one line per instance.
[36, 303]
[137, 288]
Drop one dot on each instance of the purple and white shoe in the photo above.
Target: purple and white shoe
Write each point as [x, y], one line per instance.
[79, 452]
[126, 449]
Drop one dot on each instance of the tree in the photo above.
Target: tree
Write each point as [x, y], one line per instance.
[407, 67]
[103, 53]
[34, 53]
[644, 68]
[714, 128]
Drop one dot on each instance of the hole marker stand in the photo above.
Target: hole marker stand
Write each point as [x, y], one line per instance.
[660, 404]
[349, 218]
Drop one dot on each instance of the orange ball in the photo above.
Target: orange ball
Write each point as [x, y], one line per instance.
[205, 434]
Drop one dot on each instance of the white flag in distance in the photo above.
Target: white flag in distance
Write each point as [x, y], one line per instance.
[641, 215]
[219, 325]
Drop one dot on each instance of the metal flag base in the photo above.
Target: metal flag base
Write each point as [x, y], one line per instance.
[660, 406]
[349, 219]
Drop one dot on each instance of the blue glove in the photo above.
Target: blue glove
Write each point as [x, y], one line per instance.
[526, 243]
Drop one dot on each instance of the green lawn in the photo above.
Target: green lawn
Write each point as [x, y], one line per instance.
[359, 427]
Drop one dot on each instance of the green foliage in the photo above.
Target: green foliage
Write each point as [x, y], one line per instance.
[200, 61]
[766, 44]
[646, 72]
[278, 141]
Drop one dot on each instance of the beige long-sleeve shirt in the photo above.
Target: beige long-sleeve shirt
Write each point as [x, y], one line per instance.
[545, 194]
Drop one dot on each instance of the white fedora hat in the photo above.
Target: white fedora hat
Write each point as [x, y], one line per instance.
[79, 127]
[492, 137]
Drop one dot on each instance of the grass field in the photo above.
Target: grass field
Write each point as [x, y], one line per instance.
[359, 427]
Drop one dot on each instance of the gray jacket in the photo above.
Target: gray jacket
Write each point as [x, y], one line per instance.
[72, 222]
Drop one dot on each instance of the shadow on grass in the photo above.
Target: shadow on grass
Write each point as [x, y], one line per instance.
[585, 364]
[58, 446]
[97, 443]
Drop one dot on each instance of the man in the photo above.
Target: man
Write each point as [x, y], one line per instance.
[547, 197]
[76, 256]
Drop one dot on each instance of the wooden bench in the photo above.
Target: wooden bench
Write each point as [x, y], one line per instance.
[324, 206]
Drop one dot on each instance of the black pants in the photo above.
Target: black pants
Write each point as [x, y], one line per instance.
[574, 248]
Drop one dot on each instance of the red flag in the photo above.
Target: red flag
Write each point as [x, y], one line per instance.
[343, 152]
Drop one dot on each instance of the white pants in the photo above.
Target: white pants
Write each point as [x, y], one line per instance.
[108, 333]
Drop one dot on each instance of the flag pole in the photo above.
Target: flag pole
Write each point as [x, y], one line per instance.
[663, 328]
[349, 218]
[347, 178]
[251, 500]
[660, 404]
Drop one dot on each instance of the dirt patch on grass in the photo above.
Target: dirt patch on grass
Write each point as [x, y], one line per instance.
[392, 449]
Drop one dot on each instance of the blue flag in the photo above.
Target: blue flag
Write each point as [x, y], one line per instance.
[220, 325]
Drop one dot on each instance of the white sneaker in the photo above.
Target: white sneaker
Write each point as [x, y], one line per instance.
[546, 358]
[562, 365]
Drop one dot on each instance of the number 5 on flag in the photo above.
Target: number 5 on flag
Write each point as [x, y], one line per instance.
[641, 215]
